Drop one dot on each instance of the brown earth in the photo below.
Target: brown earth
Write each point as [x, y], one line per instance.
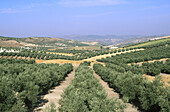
[9, 43]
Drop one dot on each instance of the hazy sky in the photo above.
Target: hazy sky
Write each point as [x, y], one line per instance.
[66, 17]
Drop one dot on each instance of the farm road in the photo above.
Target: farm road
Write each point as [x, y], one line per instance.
[112, 94]
[55, 94]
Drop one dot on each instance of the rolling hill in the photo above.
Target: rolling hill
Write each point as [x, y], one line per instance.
[40, 42]
[151, 42]
[116, 40]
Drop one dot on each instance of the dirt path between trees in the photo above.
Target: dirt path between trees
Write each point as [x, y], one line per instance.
[55, 94]
[92, 59]
[111, 94]
[151, 61]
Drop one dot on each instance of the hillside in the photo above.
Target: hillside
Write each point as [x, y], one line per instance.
[76, 40]
[151, 42]
[104, 39]
[40, 42]
[116, 40]
[30, 75]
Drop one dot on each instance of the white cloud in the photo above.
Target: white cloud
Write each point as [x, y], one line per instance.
[24, 9]
[90, 3]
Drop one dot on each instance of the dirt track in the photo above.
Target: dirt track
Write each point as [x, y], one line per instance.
[151, 61]
[55, 94]
[92, 59]
[112, 94]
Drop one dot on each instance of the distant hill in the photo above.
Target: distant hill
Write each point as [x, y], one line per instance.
[133, 40]
[152, 42]
[75, 40]
[104, 39]
[40, 42]
[98, 37]
[116, 40]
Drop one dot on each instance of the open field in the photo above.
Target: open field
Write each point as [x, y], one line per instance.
[9, 43]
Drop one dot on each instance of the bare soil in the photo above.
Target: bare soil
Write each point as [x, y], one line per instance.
[9, 43]
[54, 95]
[112, 94]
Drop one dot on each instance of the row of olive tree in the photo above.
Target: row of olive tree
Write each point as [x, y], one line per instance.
[156, 68]
[140, 56]
[21, 61]
[86, 94]
[45, 56]
[148, 96]
[20, 84]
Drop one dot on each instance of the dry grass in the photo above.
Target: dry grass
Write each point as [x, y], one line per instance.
[59, 61]
[164, 78]
[66, 54]
[93, 59]
[151, 61]
[9, 43]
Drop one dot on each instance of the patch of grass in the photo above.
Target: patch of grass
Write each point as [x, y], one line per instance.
[50, 108]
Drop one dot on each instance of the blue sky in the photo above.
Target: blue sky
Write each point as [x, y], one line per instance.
[54, 18]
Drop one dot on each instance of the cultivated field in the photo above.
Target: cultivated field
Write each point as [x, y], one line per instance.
[93, 59]
[167, 38]
[129, 80]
